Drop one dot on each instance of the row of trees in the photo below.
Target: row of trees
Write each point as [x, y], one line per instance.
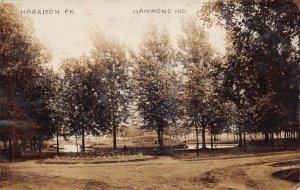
[255, 86]
[94, 93]
[262, 79]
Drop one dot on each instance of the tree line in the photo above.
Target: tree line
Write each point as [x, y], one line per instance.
[158, 86]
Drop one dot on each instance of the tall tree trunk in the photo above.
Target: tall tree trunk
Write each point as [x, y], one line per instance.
[266, 137]
[23, 147]
[273, 140]
[240, 136]
[158, 138]
[112, 110]
[211, 141]
[162, 138]
[40, 145]
[203, 136]
[114, 135]
[197, 133]
[280, 135]
[10, 149]
[76, 143]
[197, 139]
[57, 143]
[83, 140]
[284, 141]
[31, 145]
[244, 131]
[34, 145]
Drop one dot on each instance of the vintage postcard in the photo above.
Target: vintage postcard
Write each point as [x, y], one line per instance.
[149, 94]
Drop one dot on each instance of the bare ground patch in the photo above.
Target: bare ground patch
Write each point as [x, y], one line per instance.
[218, 177]
[161, 173]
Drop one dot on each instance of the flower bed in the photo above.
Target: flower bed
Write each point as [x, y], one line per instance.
[97, 157]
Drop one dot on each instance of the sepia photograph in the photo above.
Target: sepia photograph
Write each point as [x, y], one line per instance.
[150, 94]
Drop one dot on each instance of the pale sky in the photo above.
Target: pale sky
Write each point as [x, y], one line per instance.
[68, 34]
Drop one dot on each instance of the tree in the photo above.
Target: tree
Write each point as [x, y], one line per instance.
[263, 57]
[109, 57]
[156, 83]
[39, 94]
[58, 114]
[84, 97]
[203, 74]
[22, 60]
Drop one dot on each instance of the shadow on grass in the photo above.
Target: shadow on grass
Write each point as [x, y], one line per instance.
[291, 174]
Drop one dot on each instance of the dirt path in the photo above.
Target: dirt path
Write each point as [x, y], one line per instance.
[162, 173]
